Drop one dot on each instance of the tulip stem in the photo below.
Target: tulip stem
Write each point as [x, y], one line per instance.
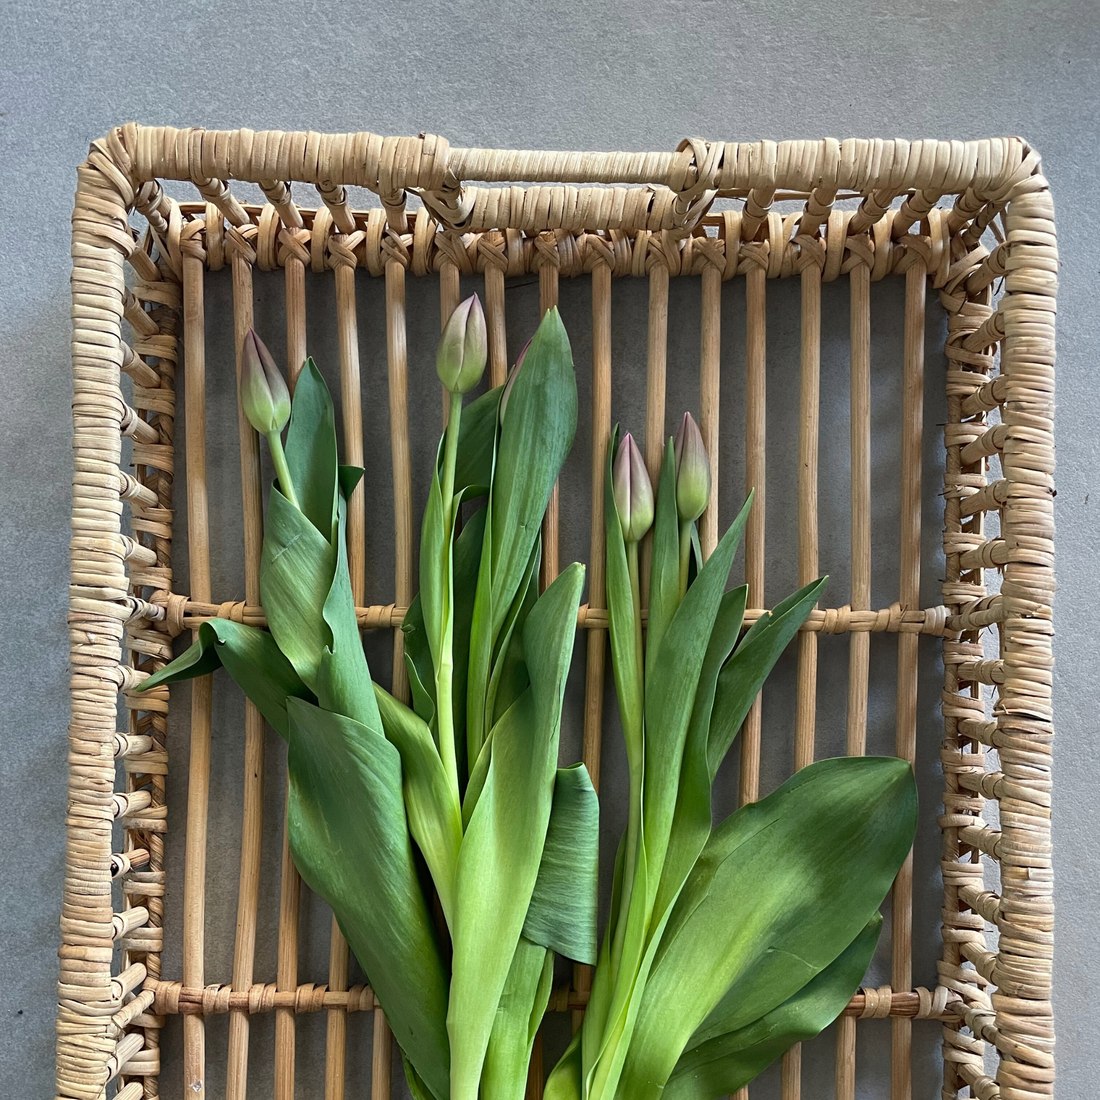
[444, 675]
[685, 554]
[282, 470]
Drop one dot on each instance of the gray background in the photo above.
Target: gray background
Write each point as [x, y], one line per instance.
[638, 75]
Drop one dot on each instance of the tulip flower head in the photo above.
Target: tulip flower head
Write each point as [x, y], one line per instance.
[692, 471]
[264, 393]
[463, 347]
[633, 491]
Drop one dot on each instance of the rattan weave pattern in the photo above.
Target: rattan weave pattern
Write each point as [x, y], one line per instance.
[603, 214]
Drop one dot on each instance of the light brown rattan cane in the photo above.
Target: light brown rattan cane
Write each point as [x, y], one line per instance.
[926, 207]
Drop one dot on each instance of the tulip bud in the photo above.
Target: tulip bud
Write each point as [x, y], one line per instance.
[512, 379]
[633, 491]
[463, 347]
[692, 471]
[264, 395]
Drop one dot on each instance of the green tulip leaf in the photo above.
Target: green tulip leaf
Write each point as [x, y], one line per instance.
[499, 861]
[744, 674]
[664, 573]
[781, 888]
[562, 913]
[350, 841]
[311, 450]
[723, 1064]
[251, 658]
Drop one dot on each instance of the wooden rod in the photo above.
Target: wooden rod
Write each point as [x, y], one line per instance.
[860, 647]
[449, 294]
[709, 378]
[494, 320]
[352, 414]
[806, 691]
[756, 348]
[295, 277]
[198, 774]
[808, 436]
[860, 424]
[597, 597]
[248, 894]
[290, 882]
[551, 530]
[655, 389]
[912, 433]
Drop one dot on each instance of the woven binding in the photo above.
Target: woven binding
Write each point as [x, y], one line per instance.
[603, 214]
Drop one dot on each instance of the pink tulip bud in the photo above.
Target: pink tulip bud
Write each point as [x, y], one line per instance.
[692, 470]
[633, 490]
[264, 393]
[463, 347]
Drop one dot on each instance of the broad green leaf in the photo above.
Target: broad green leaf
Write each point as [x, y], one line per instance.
[566, 1081]
[621, 621]
[723, 1064]
[502, 849]
[519, 1012]
[691, 823]
[435, 820]
[343, 682]
[311, 449]
[670, 695]
[476, 442]
[480, 650]
[781, 888]
[350, 841]
[664, 574]
[741, 680]
[251, 658]
[417, 1089]
[562, 913]
[296, 573]
[509, 676]
[535, 437]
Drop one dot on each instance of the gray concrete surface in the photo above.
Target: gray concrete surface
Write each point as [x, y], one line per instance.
[562, 74]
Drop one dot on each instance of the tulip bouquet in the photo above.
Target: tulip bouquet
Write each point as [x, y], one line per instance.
[459, 797]
[726, 944]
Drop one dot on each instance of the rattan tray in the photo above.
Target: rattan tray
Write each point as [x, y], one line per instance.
[970, 219]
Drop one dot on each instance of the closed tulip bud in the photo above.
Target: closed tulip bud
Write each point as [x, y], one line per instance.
[512, 379]
[264, 395]
[633, 491]
[463, 347]
[692, 471]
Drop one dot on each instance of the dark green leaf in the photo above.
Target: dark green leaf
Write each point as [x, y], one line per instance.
[311, 450]
[741, 680]
[723, 1064]
[350, 840]
[250, 656]
[296, 573]
[476, 442]
[562, 913]
[502, 849]
[782, 887]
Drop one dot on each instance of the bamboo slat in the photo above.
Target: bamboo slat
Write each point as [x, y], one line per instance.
[574, 214]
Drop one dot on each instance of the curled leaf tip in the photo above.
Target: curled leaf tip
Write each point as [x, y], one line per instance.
[692, 470]
[463, 347]
[264, 393]
[633, 490]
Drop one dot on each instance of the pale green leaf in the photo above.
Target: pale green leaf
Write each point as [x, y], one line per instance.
[311, 449]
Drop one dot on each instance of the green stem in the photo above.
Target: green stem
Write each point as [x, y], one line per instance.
[635, 751]
[444, 674]
[685, 555]
[282, 470]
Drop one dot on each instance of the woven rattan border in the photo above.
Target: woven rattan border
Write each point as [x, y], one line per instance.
[608, 214]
